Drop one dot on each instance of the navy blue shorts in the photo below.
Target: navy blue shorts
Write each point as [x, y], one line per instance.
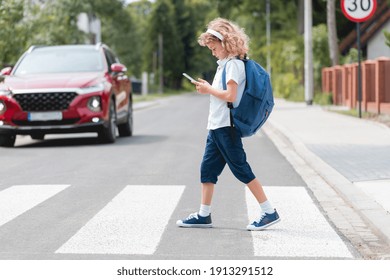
[224, 146]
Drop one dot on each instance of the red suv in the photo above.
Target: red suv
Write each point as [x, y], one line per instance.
[65, 89]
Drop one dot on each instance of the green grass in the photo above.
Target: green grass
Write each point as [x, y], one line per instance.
[355, 113]
[381, 118]
[322, 98]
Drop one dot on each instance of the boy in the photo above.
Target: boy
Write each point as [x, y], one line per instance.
[227, 42]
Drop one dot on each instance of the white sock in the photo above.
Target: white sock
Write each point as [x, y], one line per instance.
[204, 210]
[266, 207]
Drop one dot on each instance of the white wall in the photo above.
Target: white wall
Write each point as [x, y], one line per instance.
[377, 47]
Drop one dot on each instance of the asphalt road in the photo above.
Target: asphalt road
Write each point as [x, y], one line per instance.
[68, 197]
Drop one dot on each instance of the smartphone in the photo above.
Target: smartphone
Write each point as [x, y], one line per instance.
[189, 77]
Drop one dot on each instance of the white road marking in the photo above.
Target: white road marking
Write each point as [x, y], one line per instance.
[132, 223]
[16, 200]
[135, 220]
[302, 232]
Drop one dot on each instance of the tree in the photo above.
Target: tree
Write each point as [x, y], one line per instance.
[387, 36]
[163, 21]
[13, 32]
[332, 32]
[54, 23]
[139, 12]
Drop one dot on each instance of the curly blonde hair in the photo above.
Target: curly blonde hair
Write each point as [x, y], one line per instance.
[235, 41]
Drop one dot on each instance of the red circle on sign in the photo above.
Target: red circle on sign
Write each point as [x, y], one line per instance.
[353, 17]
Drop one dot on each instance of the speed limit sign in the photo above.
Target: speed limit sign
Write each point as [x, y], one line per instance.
[358, 10]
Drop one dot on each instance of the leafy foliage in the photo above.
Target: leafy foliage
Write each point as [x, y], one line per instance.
[55, 23]
[13, 30]
[387, 36]
[132, 32]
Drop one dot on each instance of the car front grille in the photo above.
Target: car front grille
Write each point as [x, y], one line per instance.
[47, 101]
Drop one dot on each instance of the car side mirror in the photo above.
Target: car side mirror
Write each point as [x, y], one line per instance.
[118, 68]
[6, 71]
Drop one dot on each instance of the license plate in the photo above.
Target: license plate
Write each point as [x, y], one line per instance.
[45, 116]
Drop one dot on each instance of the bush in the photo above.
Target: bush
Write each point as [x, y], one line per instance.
[323, 98]
[288, 86]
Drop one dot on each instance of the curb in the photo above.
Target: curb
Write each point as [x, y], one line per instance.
[366, 207]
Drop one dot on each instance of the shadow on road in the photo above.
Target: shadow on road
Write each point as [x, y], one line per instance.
[66, 141]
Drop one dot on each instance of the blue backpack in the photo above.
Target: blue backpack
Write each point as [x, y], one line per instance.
[257, 100]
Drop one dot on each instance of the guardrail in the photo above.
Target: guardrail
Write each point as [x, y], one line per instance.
[342, 83]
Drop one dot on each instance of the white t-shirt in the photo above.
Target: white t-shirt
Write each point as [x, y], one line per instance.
[219, 115]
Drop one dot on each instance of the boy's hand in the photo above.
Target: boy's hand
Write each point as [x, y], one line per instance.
[202, 86]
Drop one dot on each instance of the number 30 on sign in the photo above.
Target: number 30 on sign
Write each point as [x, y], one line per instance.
[358, 10]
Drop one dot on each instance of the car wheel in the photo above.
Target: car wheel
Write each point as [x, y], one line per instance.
[126, 129]
[7, 140]
[108, 132]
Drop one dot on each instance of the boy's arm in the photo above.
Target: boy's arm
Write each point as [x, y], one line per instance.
[228, 95]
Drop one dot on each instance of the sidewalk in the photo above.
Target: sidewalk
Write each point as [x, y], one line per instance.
[351, 155]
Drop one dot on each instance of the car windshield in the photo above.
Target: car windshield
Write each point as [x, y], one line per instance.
[60, 60]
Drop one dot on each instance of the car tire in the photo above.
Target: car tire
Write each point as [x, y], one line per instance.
[107, 134]
[7, 140]
[126, 129]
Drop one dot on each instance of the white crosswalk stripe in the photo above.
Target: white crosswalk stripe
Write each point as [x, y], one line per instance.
[16, 200]
[132, 223]
[303, 230]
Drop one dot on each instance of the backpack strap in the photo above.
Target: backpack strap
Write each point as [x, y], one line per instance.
[229, 104]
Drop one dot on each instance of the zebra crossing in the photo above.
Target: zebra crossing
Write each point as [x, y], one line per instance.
[135, 220]
[303, 231]
[18, 199]
[122, 228]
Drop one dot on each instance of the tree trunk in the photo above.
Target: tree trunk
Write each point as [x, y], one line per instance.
[300, 17]
[332, 32]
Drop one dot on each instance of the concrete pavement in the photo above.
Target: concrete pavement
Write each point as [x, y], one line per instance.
[349, 168]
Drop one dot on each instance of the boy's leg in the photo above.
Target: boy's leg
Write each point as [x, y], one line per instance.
[207, 193]
[201, 219]
[257, 190]
[207, 196]
[269, 215]
[212, 164]
[211, 167]
[230, 145]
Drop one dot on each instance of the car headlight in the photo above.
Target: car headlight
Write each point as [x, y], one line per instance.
[3, 108]
[94, 104]
[95, 88]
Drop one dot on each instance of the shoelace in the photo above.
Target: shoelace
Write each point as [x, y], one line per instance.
[193, 215]
[261, 217]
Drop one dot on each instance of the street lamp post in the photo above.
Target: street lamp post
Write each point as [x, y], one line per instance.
[160, 64]
[308, 53]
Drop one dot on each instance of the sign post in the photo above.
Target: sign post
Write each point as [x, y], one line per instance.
[358, 11]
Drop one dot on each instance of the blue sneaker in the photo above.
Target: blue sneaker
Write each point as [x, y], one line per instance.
[265, 221]
[195, 221]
